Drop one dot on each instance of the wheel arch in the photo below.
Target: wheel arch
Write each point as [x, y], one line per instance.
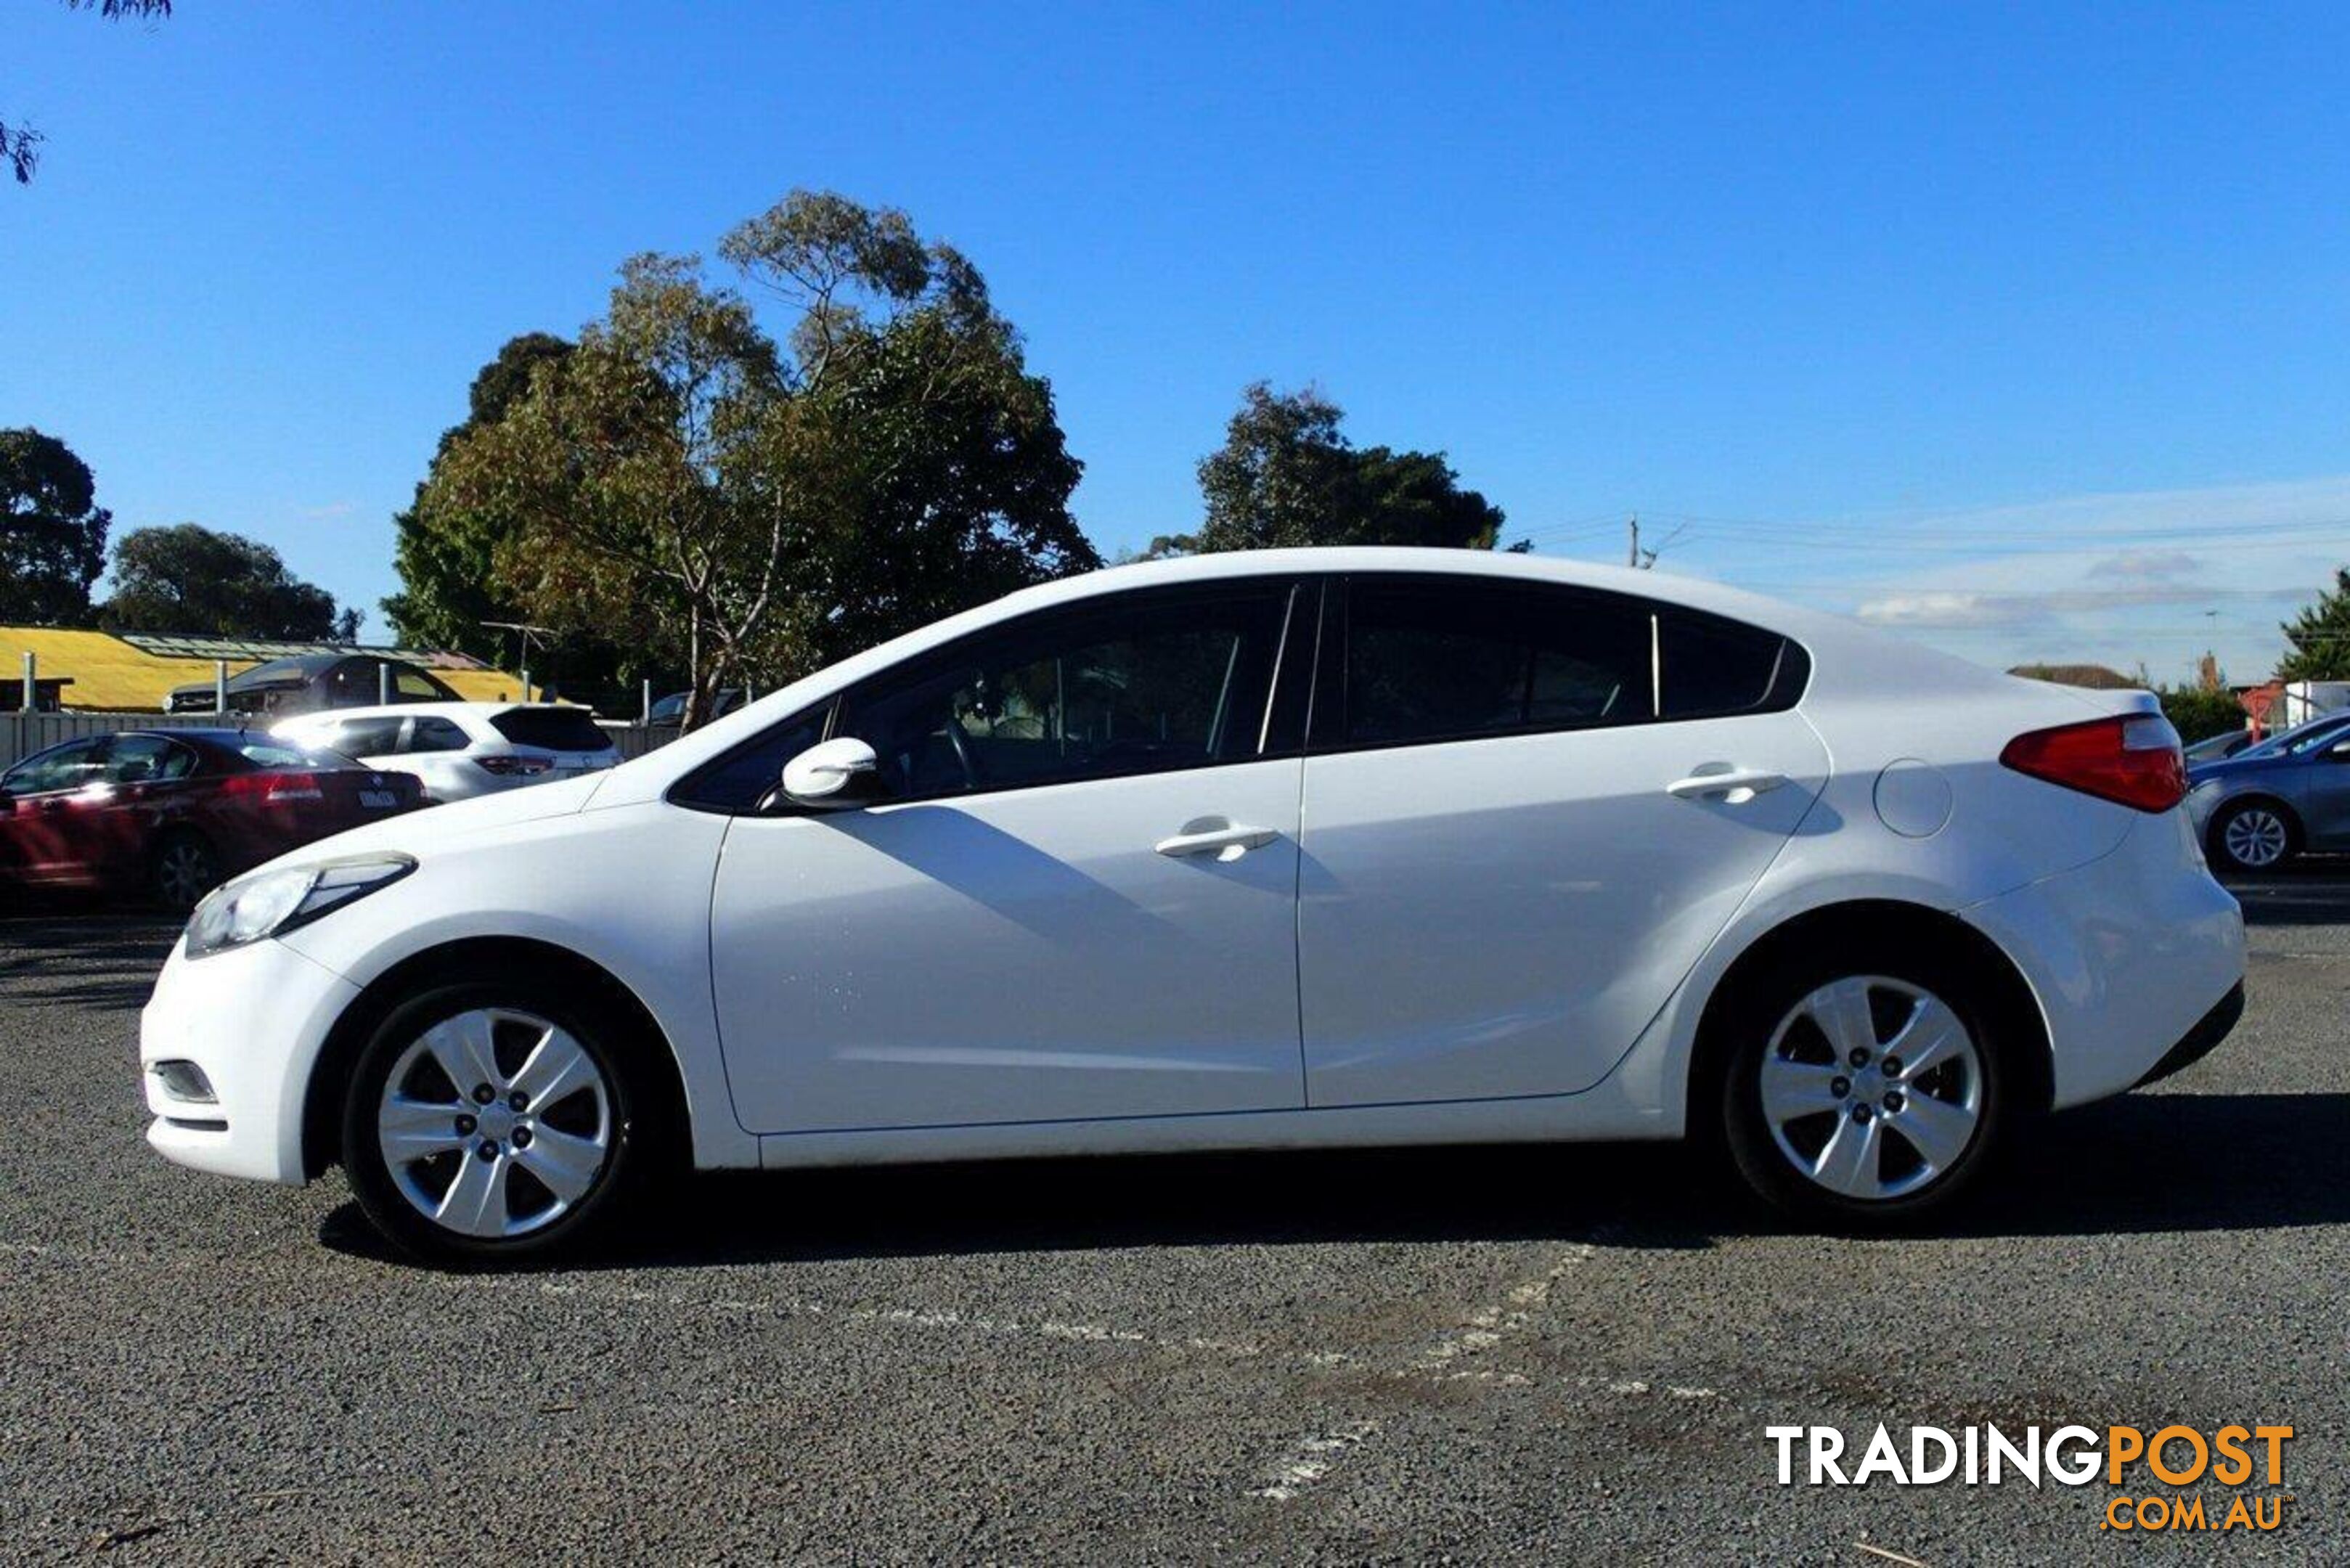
[482, 958]
[2006, 990]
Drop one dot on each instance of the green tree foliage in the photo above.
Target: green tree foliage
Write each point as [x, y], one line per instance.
[187, 578]
[2318, 639]
[20, 145]
[2199, 712]
[52, 531]
[748, 512]
[1286, 474]
[446, 555]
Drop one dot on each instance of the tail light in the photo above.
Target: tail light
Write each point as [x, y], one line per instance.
[2133, 759]
[274, 788]
[513, 767]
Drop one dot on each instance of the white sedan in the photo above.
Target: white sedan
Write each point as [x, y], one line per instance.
[1313, 847]
[461, 750]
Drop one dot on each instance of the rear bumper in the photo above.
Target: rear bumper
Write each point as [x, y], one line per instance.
[2201, 1041]
[254, 1020]
[2126, 955]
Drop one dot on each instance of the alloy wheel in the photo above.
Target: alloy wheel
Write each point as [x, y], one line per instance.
[496, 1123]
[183, 873]
[1872, 1088]
[2255, 838]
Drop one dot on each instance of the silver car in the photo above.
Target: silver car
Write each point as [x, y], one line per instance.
[2269, 803]
[462, 748]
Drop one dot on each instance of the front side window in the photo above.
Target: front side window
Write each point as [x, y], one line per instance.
[1432, 659]
[415, 686]
[1134, 686]
[69, 767]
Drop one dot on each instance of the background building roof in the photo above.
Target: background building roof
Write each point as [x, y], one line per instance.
[132, 674]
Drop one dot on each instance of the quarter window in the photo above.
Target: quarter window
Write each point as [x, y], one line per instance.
[1132, 687]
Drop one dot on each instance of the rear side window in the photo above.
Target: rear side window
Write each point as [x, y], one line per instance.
[363, 737]
[1708, 667]
[555, 729]
[148, 759]
[1433, 659]
[437, 734]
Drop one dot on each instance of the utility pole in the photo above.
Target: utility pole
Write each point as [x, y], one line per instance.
[1632, 558]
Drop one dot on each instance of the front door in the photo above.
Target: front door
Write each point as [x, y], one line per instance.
[1512, 852]
[1074, 898]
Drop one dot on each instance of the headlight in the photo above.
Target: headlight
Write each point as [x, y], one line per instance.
[256, 907]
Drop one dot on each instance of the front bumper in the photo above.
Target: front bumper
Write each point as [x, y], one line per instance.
[253, 1020]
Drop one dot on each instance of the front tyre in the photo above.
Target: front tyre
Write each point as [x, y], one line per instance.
[1865, 1090]
[493, 1124]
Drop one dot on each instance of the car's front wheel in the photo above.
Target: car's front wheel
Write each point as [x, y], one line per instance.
[2254, 835]
[1865, 1090]
[493, 1124]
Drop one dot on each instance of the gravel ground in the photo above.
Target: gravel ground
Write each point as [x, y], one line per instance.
[1517, 1353]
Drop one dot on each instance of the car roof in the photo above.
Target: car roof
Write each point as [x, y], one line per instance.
[403, 709]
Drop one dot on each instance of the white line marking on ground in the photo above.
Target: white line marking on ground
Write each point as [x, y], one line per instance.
[1312, 1458]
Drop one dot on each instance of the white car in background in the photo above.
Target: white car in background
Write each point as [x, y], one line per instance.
[462, 748]
[1281, 849]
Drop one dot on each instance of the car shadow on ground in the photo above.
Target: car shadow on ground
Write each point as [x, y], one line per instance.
[104, 960]
[2144, 1163]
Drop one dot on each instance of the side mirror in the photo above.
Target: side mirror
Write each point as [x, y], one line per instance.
[2340, 750]
[7, 803]
[837, 772]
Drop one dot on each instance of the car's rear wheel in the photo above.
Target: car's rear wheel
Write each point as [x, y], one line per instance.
[182, 870]
[493, 1124]
[1864, 1089]
[2254, 835]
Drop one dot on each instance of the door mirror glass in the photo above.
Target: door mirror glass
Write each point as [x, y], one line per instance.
[836, 772]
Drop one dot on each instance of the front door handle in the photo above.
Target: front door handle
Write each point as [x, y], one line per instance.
[1731, 786]
[1215, 835]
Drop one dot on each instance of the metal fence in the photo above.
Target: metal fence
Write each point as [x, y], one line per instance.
[21, 734]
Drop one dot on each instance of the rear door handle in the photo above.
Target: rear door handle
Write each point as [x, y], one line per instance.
[1731, 786]
[1214, 836]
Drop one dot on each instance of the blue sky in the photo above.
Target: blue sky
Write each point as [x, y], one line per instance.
[2022, 328]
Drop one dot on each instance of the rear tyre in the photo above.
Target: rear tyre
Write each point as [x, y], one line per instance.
[2254, 835]
[1864, 1088]
[496, 1124]
[183, 868]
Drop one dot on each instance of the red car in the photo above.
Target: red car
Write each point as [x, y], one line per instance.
[174, 812]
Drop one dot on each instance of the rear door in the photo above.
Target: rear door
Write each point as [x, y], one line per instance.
[1512, 852]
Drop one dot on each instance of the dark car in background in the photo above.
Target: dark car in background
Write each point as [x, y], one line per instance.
[308, 682]
[172, 814]
[669, 713]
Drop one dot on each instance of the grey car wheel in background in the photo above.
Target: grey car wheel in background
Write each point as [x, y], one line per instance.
[2253, 835]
